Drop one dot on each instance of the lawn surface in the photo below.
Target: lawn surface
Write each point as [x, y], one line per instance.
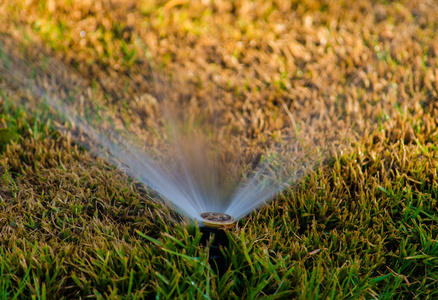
[357, 80]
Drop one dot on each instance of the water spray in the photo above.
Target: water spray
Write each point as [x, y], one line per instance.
[215, 224]
[185, 169]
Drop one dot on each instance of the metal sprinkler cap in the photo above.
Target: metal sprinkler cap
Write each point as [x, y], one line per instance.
[217, 220]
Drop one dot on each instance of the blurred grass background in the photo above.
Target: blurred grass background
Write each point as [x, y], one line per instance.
[359, 75]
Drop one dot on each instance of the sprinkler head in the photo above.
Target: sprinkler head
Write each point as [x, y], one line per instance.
[214, 224]
[217, 220]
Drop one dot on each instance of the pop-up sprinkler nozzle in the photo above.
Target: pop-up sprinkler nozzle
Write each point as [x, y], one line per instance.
[214, 224]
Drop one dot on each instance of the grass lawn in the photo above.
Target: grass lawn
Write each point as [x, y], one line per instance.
[354, 80]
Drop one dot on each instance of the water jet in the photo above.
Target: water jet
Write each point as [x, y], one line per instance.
[197, 164]
[207, 170]
[215, 224]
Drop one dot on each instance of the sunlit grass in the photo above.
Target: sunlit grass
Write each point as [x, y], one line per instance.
[363, 224]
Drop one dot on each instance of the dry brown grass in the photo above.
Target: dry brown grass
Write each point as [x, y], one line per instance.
[348, 63]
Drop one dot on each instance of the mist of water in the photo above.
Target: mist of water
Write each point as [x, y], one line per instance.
[193, 169]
